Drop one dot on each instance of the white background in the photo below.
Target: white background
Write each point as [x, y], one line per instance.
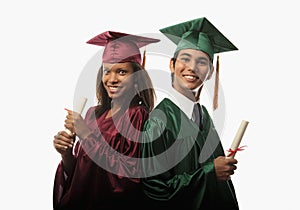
[43, 53]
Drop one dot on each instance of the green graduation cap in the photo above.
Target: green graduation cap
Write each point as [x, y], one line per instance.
[198, 34]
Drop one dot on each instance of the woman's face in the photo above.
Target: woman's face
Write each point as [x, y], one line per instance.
[117, 79]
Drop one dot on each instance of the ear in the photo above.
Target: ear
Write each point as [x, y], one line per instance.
[171, 65]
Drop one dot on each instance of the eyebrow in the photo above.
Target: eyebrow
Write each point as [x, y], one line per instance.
[189, 55]
[186, 54]
[202, 58]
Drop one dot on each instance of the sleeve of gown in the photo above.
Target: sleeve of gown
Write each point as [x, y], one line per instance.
[61, 181]
[118, 150]
[187, 178]
[59, 184]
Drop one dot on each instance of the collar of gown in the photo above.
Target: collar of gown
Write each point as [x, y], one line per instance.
[180, 100]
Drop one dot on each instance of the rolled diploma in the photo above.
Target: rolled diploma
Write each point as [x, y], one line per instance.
[78, 107]
[238, 137]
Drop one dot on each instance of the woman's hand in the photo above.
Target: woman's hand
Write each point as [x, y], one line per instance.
[75, 123]
[63, 143]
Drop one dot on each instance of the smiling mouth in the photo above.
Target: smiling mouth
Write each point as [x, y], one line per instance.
[190, 77]
[113, 89]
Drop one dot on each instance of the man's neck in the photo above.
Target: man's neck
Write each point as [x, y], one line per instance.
[192, 95]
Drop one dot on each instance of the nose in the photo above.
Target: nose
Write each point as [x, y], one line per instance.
[192, 65]
[113, 78]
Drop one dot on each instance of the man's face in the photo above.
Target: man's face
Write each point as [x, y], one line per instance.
[191, 69]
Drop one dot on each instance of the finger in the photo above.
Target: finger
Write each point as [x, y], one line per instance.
[70, 128]
[56, 136]
[69, 117]
[69, 122]
[62, 145]
[63, 150]
[68, 110]
[68, 140]
[63, 141]
[60, 134]
[233, 167]
[67, 135]
[231, 161]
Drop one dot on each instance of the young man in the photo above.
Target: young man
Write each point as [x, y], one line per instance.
[183, 159]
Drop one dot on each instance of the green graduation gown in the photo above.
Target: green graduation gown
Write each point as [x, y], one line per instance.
[178, 162]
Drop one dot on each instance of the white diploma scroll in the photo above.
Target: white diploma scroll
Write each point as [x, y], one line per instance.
[78, 107]
[237, 139]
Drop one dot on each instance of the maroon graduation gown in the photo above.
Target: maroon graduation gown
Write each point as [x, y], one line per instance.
[105, 176]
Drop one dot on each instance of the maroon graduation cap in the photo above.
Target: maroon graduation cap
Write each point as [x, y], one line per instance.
[121, 47]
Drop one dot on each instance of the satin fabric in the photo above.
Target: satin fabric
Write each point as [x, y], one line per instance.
[104, 176]
[186, 154]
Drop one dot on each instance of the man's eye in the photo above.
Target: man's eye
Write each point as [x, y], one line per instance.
[185, 60]
[202, 63]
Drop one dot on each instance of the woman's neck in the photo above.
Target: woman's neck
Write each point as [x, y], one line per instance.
[116, 106]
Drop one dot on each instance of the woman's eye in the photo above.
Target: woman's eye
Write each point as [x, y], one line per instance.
[122, 72]
[106, 71]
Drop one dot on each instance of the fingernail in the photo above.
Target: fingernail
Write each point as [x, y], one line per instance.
[67, 109]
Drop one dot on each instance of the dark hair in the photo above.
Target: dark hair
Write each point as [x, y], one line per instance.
[145, 97]
[174, 61]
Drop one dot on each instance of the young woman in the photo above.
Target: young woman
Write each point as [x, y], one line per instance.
[103, 171]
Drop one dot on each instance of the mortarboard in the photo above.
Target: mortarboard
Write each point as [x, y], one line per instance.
[198, 34]
[121, 47]
[202, 35]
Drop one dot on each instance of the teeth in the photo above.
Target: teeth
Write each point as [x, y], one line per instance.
[189, 77]
[113, 88]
